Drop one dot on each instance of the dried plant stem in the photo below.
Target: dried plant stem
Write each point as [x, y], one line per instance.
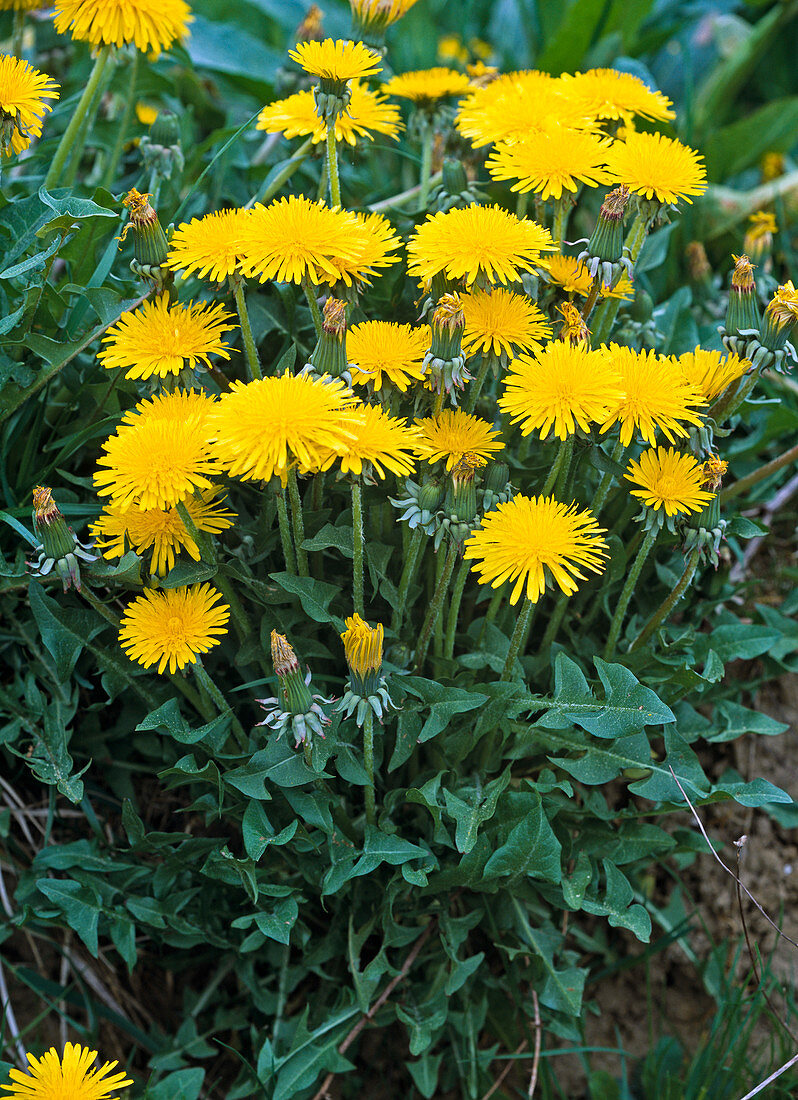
[667, 605]
[626, 593]
[435, 607]
[68, 146]
[298, 522]
[515, 642]
[746, 483]
[250, 347]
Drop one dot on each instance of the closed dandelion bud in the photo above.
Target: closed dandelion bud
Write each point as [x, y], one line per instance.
[603, 255]
[372, 18]
[367, 686]
[59, 548]
[165, 130]
[464, 491]
[160, 149]
[497, 477]
[329, 355]
[781, 316]
[455, 179]
[742, 313]
[705, 529]
[295, 707]
[445, 359]
[758, 240]
[150, 246]
[430, 496]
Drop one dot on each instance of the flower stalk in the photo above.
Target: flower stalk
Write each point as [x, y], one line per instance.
[358, 546]
[562, 463]
[427, 140]
[313, 305]
[332, 165]
[435, 607]
[298, 522]
[250, 348]
[628, 589]
[408, 572]
[454, 608]
[519, 633]
[210, 688]
[69, 144]
[285, 531]
[368, 763]
[668, 604]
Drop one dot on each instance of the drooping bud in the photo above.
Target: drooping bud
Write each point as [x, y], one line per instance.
[604, 252]
[150, 246]
[445, 358]
[59, 548]
[367, 686]
[758, 240]
[742, 313]
[295, 706]
[329, 355]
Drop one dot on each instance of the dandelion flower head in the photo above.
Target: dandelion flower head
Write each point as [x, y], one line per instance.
[657, 167]
[171, 627]
[613, 95]
[515, 106]
[551, 161]
[711, 372]
[375, 442]
[502, 322]
[24, 92]
[386, 353]
[574, 278]
[656, 396]
[337, 61]
[68, 1077]
[453, 433]
[209, 247]
[666, 478]
[151, 25]
[426, 87]
[534, 542]
[368, 113]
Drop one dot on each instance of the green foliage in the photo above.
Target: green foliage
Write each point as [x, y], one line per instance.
[249, 908]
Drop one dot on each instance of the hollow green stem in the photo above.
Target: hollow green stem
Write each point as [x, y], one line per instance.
[250, 348]
[606, 481]
[667, 605]
[271, 187]
[298, 522]
[475, 389]
[68, 146]
[553, 625]
[207, 684]
[359, 542]
[559, 470]
[515, 642]
[18, 32]
[241, 623]
[562, 208]
[608, 310]
[285, 531]
[491, 613]
[435, 607]
[454, 607]
[626, 594]
[204, 543]
[437, 404]
[426, 165]
[590, 301]
[313, 305]
[368, 763]
[727, 405]
[408, 572]
[332, 166]
[122, 124]
[521, 204]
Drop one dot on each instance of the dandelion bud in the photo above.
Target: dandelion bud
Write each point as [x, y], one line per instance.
[430, 496]
[604, 252]
[295, 707]
[329, 355]
[743, 312]
[371, 18]
[463, 496]
[59, 548]
[497, 488]
[150, 246]
[781, 316]
[445, 358]
[367, 686]
[758, 240]
[574, 329]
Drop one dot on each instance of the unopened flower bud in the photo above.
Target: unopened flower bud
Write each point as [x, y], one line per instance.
[574, 329]
[368, 689]
[743, 312]
[150, 246]
[59, 547]
[295, 707]
[329, 355]
[781, 316]
[758, 240]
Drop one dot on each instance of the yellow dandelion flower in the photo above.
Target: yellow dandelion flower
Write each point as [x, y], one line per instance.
[657, 397]
[151, 25]
[426, 87]
[161, 338]
[454, 433]
[657, 167]
[295, 237]
[340, 60]
[574, 278]
[451, 48]
[563, 388]
[375, 245]
[374, 440]
[159, 530]
[713, 472]
[548, 161]
[66, 1078]
[23, 95]
[534, 541]
[209, 247]
[502, 322]
[362, 646]
[669, 479]
[772, 165]
[515, 106]
[368, 113]
[386, 352]
[159, 454]
[382, 12]
[613, 95]
[146, 113]
[782, 309]
[711, 372]
[172, 626]
[259, 428]
[484, 243]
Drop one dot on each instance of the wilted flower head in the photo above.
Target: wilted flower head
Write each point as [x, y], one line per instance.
[58, 548]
